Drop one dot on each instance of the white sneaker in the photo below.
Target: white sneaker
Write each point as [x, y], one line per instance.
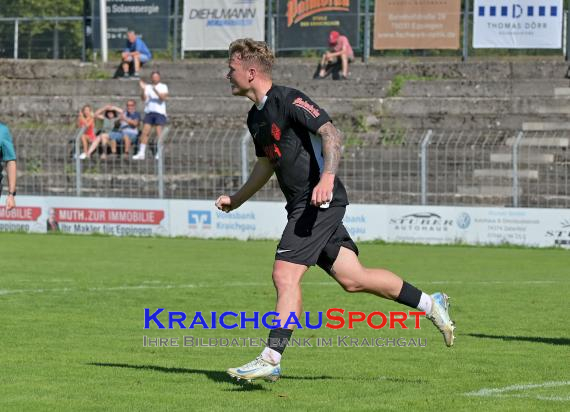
[139, 156]
[258, 368]
[440, 317]
[83, 156]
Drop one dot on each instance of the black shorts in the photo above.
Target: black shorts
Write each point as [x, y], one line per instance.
[314, 236]
[154, 119]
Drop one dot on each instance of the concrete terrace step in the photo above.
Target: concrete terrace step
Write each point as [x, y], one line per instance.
[288, 68]
[498, 173]
[482, 88]
[477, 105]
[545, 126]
[534, 158]
[544, 142]
[487, 190]
[215, 88]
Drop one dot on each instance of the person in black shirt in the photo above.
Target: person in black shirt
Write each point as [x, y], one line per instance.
[296, 139]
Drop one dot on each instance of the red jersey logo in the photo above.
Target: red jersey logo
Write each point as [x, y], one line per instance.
[309, 108]
[275, 132]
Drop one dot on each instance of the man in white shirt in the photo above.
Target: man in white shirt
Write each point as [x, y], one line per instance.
[154, 97]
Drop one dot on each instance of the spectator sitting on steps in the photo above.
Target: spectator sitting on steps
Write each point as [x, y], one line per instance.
[137, 53]
[340, 50]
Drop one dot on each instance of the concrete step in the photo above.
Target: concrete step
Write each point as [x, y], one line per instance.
[180, 88]
[506, 191]
[476, 105]
[290, 68]
[533, 158]
[482, 88]
[545, 126]
[544, 142]
[499, 173]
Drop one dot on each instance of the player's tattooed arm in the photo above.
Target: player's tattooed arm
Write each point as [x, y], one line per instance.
[332, 147]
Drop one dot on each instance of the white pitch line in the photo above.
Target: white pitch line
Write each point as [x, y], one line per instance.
[501, 392]
[158, 285]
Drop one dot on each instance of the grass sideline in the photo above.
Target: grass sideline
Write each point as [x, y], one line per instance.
[73, 329]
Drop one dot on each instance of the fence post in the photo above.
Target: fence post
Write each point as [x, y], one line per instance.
[55, 42]
[78, 161]
[567, 52]
[465, 30]
[366, 51]
[244, 157]
[16, 23]
[175, 40]
[516, 168]
[270, 24]
[160, 161]
[423, 166]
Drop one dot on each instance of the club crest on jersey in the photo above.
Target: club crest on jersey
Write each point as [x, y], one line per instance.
[272, 152]
[275, 132]
[308, 107]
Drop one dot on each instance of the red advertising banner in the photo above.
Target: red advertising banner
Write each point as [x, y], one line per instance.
[30, 214]
[118, 216]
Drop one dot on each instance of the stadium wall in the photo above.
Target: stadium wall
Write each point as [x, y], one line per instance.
[265, 220]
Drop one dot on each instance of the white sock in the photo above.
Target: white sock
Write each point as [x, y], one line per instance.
[425, 303]
[271, 355]
[142, 148]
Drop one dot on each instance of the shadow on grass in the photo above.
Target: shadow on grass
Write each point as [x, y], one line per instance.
[534, 339]
[216, 376]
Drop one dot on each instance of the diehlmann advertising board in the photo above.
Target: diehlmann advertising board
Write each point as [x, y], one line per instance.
[148, 18]
[214, 24]
[518, 24]
[304, 24]
[409, 24]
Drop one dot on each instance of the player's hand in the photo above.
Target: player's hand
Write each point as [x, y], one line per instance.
[224, 203]
[10, 203]
[322, 193]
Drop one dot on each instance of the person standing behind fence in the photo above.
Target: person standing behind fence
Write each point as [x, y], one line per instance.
[154, 96]
[8, 157]
[136, 52]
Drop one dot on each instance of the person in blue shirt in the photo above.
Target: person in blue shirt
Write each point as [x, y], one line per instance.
[136, 52]
[8, 157]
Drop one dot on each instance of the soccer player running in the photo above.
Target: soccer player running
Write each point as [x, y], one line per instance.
[296, 139]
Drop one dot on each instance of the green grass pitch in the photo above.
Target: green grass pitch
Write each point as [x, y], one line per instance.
[72, 332]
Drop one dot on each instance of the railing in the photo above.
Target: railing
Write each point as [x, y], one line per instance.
[491, 168]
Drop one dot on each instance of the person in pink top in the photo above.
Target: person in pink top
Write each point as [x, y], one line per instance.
[340, 49]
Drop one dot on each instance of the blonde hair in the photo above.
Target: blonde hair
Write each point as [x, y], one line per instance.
[253, 51]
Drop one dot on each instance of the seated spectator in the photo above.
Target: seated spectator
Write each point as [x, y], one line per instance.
[111, 124]
[136, 53]
[85, 119]
[128, 132]
[154, 96]
[340, 51]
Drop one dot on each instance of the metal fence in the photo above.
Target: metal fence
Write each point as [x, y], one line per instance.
[494, 168]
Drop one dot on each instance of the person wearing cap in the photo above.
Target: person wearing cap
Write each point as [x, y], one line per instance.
[340, 49]
[8, 156]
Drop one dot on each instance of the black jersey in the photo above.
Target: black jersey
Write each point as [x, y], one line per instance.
[285, 131]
